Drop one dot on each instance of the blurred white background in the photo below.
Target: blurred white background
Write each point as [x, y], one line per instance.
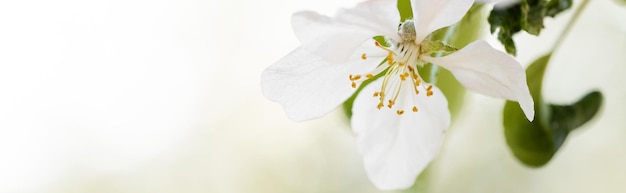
[163, 96]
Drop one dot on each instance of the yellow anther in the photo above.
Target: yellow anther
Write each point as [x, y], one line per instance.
[400, 112]
[376, 94]
[417, 82]
[417, 91]
[391, 103]
[380, 105]
[364, 56]
[369, 76]
[430, 87]
[410, 68]
[355, 77]
[429, 93]
[382, 94]
[401, 63]
[415, 76]
[390, 58]
[353, 84]
[402, 77]
[414, 109]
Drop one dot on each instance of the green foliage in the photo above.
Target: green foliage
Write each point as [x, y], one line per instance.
[569, 117]
[535, 143]
[404, 7]
[528, 15]
[532, 17]
[557, 6]
[508, 22]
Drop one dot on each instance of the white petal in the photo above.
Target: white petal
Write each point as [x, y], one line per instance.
[309, 87]
[396, 148]
[381, 16]
[334, 39]
[486, 70]
[431, 15]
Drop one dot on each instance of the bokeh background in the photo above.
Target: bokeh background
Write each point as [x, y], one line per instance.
[163, 96]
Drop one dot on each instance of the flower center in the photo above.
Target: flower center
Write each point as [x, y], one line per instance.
[400, 70]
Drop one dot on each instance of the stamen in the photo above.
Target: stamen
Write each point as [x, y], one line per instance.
[380, 105]
[390, 58]
[402, 59]
[353, 84]
[356, 77]
[384, 48]
[429, 90]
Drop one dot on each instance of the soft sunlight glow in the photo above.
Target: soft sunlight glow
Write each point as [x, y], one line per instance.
[164, 96]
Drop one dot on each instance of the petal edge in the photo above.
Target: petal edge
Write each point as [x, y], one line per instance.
[483, 69]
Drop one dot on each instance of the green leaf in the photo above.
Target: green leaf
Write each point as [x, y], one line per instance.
[532, 16]
[507, 22]
[528, 141]
[528, 15]
[570, 117]
[404, 7]
[535, 143]
[555, 7]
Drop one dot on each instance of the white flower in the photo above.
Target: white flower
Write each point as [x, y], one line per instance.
[399, 119]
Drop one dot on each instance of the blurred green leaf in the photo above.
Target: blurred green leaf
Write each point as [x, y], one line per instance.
[528, 141]
[528, 15]
[555, 7]
[535, 143]
[532, 15]
[404, 7]
[570, 117]
[507, 23]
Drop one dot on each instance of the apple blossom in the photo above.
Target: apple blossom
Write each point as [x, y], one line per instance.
[399, 119]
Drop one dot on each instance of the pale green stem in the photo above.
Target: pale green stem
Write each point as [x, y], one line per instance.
[434, 69]
[570, 24]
